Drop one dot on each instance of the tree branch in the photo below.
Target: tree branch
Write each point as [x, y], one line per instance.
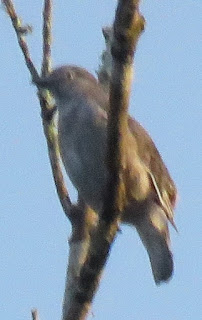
[35, 314]
[128, 26]
[45, 99]
[47, 38]
[47, 114]
[21, 32]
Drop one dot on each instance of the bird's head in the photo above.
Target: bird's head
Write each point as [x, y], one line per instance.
[66, 81]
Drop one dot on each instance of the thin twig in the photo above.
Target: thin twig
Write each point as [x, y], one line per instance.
[45, 100]
[104, 71]
[19, 29]
[47, 112]
[47, 37]
[35, 314]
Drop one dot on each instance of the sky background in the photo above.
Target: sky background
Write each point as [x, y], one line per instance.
[166, 99]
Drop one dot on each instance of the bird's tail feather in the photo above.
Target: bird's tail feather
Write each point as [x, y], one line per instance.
[153, 231]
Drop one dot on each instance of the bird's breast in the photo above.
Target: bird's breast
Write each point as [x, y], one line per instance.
[83, 155]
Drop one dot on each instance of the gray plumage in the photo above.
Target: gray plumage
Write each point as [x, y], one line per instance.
[82, 107]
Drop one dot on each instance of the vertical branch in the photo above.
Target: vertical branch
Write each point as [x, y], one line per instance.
[35, 314]
[127, 29]
[48, 111]
[104, 71]
[47, 37]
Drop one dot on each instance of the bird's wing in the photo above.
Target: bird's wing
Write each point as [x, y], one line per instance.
[164, 200]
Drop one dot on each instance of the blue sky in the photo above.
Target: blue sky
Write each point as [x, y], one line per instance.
[166, 99]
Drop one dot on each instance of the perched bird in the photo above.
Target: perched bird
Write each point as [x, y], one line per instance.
[82, 129]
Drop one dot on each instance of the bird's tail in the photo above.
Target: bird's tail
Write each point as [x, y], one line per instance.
[153, 230]
[151, 223]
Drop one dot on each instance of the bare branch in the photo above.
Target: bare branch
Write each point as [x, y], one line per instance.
[52, 142]
[127, 29]
[47, 37]
[44, 100]
[84, 225]
[48, 111]
[20, 32]
[35, 314]
[104, 71]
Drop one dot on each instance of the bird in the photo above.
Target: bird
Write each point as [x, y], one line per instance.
[82, 106]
